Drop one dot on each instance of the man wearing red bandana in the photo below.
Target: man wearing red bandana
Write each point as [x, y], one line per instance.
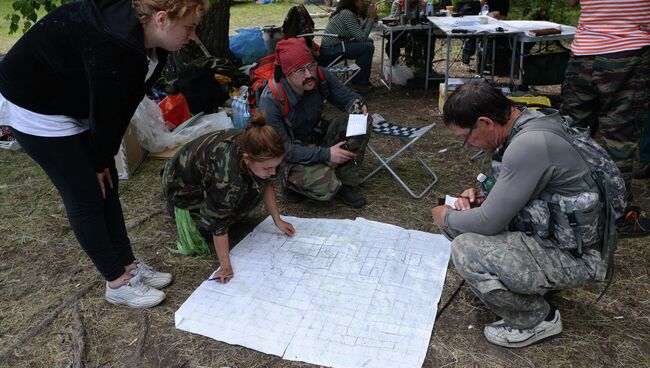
[321, 163]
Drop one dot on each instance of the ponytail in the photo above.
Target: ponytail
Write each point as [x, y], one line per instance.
[260, 141]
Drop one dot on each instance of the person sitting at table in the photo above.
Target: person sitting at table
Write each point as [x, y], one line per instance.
[498, 9]
[416, 38]
[217, 179]
[345, 23]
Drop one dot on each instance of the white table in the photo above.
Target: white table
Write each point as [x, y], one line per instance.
[471, 23]
[394, 33]
[524, 35]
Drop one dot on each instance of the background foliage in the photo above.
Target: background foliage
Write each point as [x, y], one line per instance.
[26, 12]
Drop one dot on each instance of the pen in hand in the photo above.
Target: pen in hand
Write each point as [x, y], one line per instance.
[475, 197]
[476, 202]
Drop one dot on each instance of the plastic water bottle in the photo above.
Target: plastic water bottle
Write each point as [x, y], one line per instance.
[486, 182]
[240, 112]
[485, 9]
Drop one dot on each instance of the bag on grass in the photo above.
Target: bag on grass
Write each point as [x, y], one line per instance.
[247, 45]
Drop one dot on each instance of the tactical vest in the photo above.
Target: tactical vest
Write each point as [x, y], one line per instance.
[585, 220]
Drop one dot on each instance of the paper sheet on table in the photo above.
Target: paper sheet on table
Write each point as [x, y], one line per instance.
[357, 124]
[340, 293]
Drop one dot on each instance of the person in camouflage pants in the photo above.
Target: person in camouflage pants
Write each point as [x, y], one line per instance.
[607, 86]
[322, 181]
[500, 245]
[219, 178]
[610, 94]
[321, 163]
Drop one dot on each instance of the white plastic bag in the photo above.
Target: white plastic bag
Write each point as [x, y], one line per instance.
[154, 136]
[399, 74]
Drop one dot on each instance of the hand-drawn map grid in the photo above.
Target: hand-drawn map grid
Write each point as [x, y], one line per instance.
[339, 293]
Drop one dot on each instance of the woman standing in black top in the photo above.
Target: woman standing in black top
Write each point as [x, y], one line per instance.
[68, 89]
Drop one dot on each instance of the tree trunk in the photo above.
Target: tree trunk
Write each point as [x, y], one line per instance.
[213, 32]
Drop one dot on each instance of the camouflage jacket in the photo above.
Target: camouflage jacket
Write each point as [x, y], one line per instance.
[205, 177]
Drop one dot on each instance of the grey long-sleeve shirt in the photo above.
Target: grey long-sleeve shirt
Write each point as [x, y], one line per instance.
[533, 161]
[304, 114]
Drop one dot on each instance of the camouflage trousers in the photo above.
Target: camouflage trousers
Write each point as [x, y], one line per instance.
[611, 93]
[322, 181]
[644, 144]
[511, 272]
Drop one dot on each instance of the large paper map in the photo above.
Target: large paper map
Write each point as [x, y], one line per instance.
[340, 293]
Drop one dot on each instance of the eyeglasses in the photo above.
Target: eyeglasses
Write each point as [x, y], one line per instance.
[471, 130]
[300, 72]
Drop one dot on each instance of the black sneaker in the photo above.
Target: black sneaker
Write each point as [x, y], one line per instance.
[643, 172]
[350, 197]
[293, 196]
[633, 225]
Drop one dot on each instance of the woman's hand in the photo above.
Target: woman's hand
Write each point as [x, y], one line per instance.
[224, 274]
[103, 176]
[372, 11]
[221, 246]
[285, 227]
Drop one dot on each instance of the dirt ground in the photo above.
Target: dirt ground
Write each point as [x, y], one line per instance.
[53, 312]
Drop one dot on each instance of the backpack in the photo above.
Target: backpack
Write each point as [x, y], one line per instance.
[264, 73]
[298, 22]
[605, 177]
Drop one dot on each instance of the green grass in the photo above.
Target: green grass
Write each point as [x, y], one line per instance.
[6, 40]
[251, 14]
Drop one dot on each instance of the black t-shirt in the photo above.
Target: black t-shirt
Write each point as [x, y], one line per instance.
[502, 6]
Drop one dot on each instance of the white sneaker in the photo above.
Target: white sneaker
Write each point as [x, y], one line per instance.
[134, 294]
[151, 277]
[500, 334]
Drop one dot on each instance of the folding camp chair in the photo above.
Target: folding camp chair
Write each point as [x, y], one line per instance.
[407, 136]
[339, 66]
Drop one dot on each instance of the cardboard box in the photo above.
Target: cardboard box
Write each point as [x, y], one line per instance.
[130, 155]
[166, 154]
[452, 84]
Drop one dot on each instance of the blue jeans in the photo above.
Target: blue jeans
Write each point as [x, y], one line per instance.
[360, 51]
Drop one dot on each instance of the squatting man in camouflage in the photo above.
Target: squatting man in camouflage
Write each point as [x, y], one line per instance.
[504, 246]
[218, 179]
[320, 162]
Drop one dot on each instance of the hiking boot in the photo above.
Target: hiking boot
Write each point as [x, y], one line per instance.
[134, 294]
[292, 196]
[151, 277]
[643, 172]
[501, 334]
[633, 225]
[350, 197]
